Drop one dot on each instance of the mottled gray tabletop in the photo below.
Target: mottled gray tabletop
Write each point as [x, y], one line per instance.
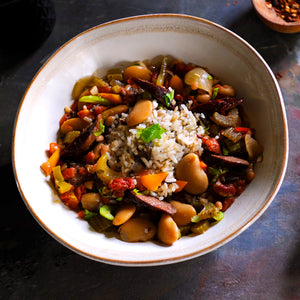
[261, 263]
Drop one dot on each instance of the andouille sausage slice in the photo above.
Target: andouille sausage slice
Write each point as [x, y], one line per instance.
[82, 143]
[230, 161]
[152, 203]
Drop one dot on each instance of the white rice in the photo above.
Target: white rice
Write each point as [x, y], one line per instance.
[129, 153]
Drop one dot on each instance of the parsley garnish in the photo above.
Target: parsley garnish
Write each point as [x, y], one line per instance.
[169, 97]
[89, 214]
[150, 133]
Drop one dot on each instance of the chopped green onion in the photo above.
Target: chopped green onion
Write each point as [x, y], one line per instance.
[105, 211]
[215, 93]
[150, 133]
[136, 191]
[101, 128]
[119, 199]
[225, 151]
[94, 100]
[89, 214]
[169, 97]
[210, 77]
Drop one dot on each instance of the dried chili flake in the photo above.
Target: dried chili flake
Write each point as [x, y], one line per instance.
[288, 10]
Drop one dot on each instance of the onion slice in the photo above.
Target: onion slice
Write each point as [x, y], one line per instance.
[198, 78]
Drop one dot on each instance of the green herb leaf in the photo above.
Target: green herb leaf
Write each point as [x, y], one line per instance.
[216, 173]
[150, 133]
[89, 214]
[169, 97]
[101, 128]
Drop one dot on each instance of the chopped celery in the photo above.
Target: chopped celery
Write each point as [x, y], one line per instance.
[200, 227]
[105, 211]
[219, 216]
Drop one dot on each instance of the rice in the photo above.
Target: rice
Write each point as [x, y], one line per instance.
[129, 153]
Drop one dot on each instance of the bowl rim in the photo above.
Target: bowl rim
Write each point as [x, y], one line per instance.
[191, 254]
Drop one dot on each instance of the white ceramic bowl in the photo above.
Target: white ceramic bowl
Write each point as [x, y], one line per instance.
[192, 40]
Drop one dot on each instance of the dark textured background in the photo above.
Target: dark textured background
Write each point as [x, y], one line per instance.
[261, 263]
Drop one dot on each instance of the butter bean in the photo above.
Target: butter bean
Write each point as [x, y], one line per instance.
[124, 214]
[140, 112]
[90, 201]
[189, 169]
[116, 110]
[184, 213]
[226, 90]
[167, 231]
[141, 72]
[137, 230]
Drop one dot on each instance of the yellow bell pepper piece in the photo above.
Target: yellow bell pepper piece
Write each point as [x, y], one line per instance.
[103, 171]
[61, 185]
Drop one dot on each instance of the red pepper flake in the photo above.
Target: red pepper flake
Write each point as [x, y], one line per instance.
[288, 10]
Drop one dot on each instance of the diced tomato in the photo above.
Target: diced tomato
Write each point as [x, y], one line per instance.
[69, 199]
[64, 118]
[69, 173]
[243, 130]
[98, 109]
[82, 171]
[81, 214]
[90, 157]
[212, 144]
[86, 113]
[122, 184]
[240, 186]
[104, 89]
[203, 165]
[79, 191]
[227, 203]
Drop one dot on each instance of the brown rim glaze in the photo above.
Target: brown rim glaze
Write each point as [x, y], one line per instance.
[190, 255]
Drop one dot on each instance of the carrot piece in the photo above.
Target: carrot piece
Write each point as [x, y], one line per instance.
[203, 165]
[181, 184]
[52, 161]
[176, 84]
[153, 181]
[113, 98]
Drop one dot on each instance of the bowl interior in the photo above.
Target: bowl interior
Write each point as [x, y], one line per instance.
[190, 39]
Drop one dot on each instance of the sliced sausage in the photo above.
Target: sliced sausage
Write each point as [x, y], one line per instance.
[158, 92]
[230, 161]
[82, 143]
[152, 203]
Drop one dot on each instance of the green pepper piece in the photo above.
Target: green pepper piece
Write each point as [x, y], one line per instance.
[94, 100]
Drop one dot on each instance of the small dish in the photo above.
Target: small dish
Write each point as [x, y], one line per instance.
[272, 20]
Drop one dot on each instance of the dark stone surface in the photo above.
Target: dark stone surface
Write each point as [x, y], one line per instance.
[261, 263]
